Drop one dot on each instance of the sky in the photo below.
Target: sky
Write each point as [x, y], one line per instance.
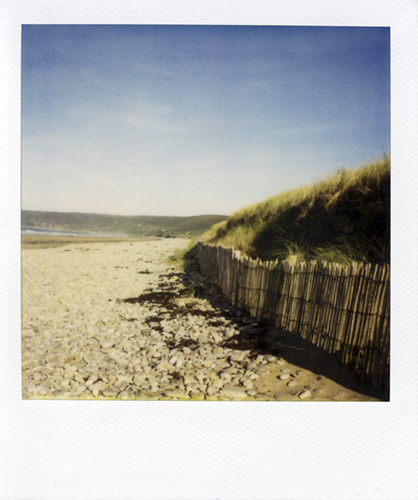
[194, 120]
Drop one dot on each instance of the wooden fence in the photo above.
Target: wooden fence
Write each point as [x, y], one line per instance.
[342, 309]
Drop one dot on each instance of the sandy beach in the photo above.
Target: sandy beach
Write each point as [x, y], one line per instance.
[112, 319]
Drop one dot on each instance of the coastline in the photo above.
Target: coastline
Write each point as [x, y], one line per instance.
[38, 241]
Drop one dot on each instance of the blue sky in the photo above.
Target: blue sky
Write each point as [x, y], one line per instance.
[192, 120]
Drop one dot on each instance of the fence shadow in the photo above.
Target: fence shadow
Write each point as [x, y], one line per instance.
[343, 310]
[298, 351]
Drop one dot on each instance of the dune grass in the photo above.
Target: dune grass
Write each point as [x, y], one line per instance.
[343, 218]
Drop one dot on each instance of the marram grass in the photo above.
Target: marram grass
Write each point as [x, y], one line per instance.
[343, 218]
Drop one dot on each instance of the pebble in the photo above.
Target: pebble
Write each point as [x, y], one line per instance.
[175, 394]
[231, 391]
[305, 395]
[210, 390]
[30, 388]
[110, 393]
[270, 358]
[163, 366]
[82, 341]
[198, 397]
[221, 366]
[217, 384]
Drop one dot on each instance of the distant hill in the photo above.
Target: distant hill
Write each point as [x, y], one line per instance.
[142, 225]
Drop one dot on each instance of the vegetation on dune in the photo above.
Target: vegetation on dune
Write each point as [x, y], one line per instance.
[342, 218]
[185, 258]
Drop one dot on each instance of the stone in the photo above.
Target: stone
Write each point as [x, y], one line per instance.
[97, 386]
[198, 396]
[284, 376]
[154, 387]
[54, 358]
[95, 392]
[210, 391]
[188, 379]
[163, 366]
[305, 395]
[175, 394]
[217, 384]
[139, 378]
[270, 358]
[192, 387]
[231, 391]
[221, 366]
[80, 389]
[30, 388]
[65, 382]
[110, 393]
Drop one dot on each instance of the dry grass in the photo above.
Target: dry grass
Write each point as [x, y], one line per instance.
[342, 218]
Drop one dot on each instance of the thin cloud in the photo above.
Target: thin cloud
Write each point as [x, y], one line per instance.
[152, 116]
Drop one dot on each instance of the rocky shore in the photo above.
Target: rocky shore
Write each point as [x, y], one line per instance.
[117, 321]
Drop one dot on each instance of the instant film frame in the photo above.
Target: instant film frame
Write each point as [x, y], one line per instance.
[165, 450]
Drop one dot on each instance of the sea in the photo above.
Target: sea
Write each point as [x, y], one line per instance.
[50, 232]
